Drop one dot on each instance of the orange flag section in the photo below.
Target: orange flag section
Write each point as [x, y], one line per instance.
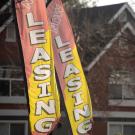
[38, 56]
[69, 70]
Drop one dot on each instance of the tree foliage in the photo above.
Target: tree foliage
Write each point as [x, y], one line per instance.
[90, 37]
[75, 3]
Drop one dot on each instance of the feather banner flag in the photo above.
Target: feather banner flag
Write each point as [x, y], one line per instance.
[70, 73]
[36, 44]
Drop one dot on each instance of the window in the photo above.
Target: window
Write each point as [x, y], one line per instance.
[121, 128]
[13, 128]
[11, 33]
[115, 91]
[121, 87]
[11, 85]
[123, 45]
[123, 17]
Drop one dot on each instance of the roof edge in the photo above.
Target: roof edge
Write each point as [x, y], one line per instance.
[6, 23]
[125, 6]
[109, 45]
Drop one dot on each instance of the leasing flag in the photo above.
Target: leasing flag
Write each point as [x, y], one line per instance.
[37, 51]
[72, 80]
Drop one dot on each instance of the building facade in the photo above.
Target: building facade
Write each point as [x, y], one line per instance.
[111, 78]
[110, 75]
[13, 108]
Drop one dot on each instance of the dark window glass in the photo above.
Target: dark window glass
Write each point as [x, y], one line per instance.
[17, 88]
[115, 91]
[4, 88]
[129, 92]
[17, 129]
[129, 130]
[17, 74]
[4, 129]
[115, 130]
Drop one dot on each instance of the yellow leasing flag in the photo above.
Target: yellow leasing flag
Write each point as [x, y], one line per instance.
[72, 80]
[38, 57]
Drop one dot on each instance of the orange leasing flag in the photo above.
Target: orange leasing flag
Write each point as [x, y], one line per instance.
[72, 80]
[38, 57]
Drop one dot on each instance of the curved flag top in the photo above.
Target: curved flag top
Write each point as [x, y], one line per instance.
[38, 56]
[72, 80]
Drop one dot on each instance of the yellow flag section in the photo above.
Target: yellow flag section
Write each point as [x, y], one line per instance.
[38, 57]
[72, 80]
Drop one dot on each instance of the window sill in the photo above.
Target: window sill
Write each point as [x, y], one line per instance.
[12, 40]
[124, 103]
[12, 100]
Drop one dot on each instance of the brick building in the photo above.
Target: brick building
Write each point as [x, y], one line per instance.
[13, 109]
[110, 75]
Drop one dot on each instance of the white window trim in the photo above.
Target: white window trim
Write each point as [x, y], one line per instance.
[13, 112]
[121, 123]
[113, 114]
[17, 121]
[120, 102]
[13, 100]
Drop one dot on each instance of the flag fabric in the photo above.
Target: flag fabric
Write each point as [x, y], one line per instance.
[36, 44]
[70, 73]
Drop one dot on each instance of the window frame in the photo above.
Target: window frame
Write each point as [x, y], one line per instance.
[123, 17]
[12, 99]
[121, 102]
[119, 123]
[25, 122]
